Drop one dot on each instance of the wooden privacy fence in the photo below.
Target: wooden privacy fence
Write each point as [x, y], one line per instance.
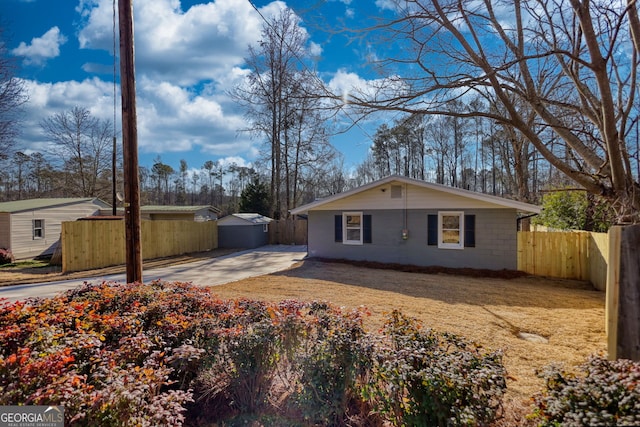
[288, 232]
[579, 255]
[101, 243]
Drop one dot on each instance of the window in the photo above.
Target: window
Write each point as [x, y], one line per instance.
[451, 230]
[265, 228]
[352, 228]
[38, 229]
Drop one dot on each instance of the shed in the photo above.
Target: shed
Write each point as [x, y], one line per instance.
[408, 221]
[31, 228]
[243, 230]
[174, 213]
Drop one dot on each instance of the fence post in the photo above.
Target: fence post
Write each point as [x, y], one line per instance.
[627, 335]
[613, 288]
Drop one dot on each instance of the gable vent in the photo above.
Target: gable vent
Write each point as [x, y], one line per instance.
[396, 192]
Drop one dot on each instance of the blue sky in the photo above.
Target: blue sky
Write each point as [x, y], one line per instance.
[188, 55]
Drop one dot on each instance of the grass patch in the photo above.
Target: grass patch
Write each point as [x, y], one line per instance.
[32, 263]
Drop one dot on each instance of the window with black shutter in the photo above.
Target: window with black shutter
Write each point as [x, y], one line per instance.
[451, 230]
[353, 228]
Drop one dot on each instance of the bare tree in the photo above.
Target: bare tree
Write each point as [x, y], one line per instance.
[84, 144]
[571, 63]
[162, 173]
[277, 103]
[12, 97]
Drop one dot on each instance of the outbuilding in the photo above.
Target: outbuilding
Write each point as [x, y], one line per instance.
[197, 213]
[243, 230]
[408, 221]
[31, 228]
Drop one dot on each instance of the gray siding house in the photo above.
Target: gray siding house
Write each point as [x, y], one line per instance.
[31, 228]
[243, 230]
[407, 221]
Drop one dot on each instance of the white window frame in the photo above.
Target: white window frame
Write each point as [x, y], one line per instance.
[443, 245]
[265, 228]
[41, 229]
[345, 229]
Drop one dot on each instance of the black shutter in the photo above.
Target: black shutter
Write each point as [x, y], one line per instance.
[337, 228]
[366, 229]
[432, 230]
[470, 231]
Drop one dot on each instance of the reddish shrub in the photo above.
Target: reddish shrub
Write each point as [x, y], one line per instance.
[6, 256]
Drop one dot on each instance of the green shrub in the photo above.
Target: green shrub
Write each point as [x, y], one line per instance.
[296, 359]
[425, 378]
[607, 393]
[6, 256]
[331, 363]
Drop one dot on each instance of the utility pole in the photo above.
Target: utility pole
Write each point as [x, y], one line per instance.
[130, 143]
[114, 171]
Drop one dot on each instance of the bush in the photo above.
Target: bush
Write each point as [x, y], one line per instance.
[94, 351]
[298, 360]
[169, 353]
[425, 378]
[6, 256]
[332, 363]
[606, 394]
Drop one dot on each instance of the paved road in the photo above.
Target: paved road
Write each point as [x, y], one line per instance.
[206, 272]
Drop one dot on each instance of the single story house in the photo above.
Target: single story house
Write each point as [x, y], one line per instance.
[243, 230]
[173, 213]
[31, 228]
[408, 221]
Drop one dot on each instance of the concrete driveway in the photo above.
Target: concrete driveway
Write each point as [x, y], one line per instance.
[206, 272]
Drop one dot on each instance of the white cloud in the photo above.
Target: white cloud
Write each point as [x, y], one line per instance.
[170, 118]
[41, 48]
[346, 83]
[386, 4]
[186, 62]
[201, 43]
[315, 49]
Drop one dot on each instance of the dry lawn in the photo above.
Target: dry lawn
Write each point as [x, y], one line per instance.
[488, 311]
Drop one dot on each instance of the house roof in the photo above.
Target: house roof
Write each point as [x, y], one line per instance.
[494, 200]
[33, 204]
[166, 209]
[176, 209]
[252, 218]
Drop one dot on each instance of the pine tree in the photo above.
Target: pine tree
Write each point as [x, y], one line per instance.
[255, 198]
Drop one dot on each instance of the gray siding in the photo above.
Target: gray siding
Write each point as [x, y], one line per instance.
[242, 236]
[496, 239]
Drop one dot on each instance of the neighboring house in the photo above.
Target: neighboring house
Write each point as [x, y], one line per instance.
[174, 213]
[31, 228]
[407, 221]
[243, 230]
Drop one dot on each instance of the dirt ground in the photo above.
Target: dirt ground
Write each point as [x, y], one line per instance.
[493, 312]
[567, 316]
